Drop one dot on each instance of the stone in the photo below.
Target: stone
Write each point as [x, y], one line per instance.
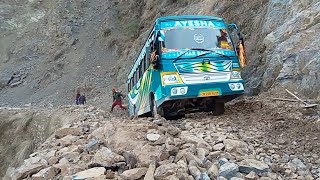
[189, 156]
[106, 157]
[202, 153]
[228, 170]
[214, 155]
[299, 164]
[110, 174]
[248, 165]
[165, 170]
[172, 130]
[62, 132]
[237, 178]
[218, 147]
[47, 173]
[68, 140]
[213, 171]
[136, 173]
[150, 173]
[68, 169]
[90, 173]
[153, 137]
[251, 176]
[53, 160]
[222, 161]
[131, 159]
[24, 171]
[195, 172]
[92, 145]
[163, 155]
[231, 145]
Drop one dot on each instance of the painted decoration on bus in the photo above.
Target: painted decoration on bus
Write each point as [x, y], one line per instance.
[192, 23]
[195, 53]
[199, 67]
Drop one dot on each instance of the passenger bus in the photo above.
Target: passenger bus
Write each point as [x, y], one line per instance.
[187, 64]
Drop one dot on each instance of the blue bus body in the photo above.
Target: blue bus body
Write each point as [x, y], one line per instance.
[187, 64]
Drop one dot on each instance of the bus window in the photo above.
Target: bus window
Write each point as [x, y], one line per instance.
[131, 82]
[140, 71]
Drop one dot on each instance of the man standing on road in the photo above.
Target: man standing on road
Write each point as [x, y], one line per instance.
[117, 98]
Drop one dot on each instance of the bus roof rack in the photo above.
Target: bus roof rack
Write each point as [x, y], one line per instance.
[187, 17]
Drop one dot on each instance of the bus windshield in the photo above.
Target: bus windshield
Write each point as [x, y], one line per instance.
[202, 38]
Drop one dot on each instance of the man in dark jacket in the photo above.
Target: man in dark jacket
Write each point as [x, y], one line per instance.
[117, 98]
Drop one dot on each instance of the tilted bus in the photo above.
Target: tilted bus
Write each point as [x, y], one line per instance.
[187, 64]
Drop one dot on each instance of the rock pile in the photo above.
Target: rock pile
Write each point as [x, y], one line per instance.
[145, 148]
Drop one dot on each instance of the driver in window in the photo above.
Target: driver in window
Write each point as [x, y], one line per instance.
[223, 40]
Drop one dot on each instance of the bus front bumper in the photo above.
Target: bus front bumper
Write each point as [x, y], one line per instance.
[186, 91]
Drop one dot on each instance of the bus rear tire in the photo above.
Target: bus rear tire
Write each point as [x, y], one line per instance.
[218, 108]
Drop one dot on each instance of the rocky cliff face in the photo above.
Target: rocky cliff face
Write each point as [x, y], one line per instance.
[53, 47]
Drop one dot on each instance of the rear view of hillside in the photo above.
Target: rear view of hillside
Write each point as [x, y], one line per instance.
[53, 47]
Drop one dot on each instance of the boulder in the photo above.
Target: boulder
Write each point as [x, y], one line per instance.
[195, 172]
[153, 137]
[252, 165]
[213, 171]
[106, 157]
[25, 171]
[150, 173]
[47, 173]
[62, 132]
[299, 164]
[251, 176]
[233, 144]
[218, 147]
[165, 170]
[136, 173]
[229, 170]
[90, 173]
[92, 145]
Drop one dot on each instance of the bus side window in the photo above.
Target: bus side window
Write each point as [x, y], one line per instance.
[146, 61]
[140, 71]
[131, 81]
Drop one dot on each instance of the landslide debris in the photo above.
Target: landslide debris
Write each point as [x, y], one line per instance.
[255, 139]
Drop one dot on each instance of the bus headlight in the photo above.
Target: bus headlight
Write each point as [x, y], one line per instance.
[236, 75]
[175, 91]
[236, 86]
[170, 79]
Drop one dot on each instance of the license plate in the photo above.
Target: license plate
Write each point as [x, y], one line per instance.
[209, 93]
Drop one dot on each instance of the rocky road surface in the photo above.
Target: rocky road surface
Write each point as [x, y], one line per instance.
[257, 138]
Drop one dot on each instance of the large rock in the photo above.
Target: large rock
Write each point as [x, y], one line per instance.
[30, 166]
[165, 170]
[90, 173]
[47, 173]
[218, 147]
[195, 172]
[233, 144]
[153, 137]
[62, 132]
[229, 170]
[213, 171]
[299, 164]
[106, 157]
[25, 171]
[251, 176]
[150, 173]
[136, 173]
[252, 165]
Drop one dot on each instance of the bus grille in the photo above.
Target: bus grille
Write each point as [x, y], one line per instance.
[205, 77]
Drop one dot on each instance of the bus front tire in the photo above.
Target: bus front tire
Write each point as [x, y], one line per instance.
[218, 108]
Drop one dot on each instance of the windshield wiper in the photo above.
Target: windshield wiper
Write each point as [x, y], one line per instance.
[203, 54]
[199, 49]
[209, 51]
